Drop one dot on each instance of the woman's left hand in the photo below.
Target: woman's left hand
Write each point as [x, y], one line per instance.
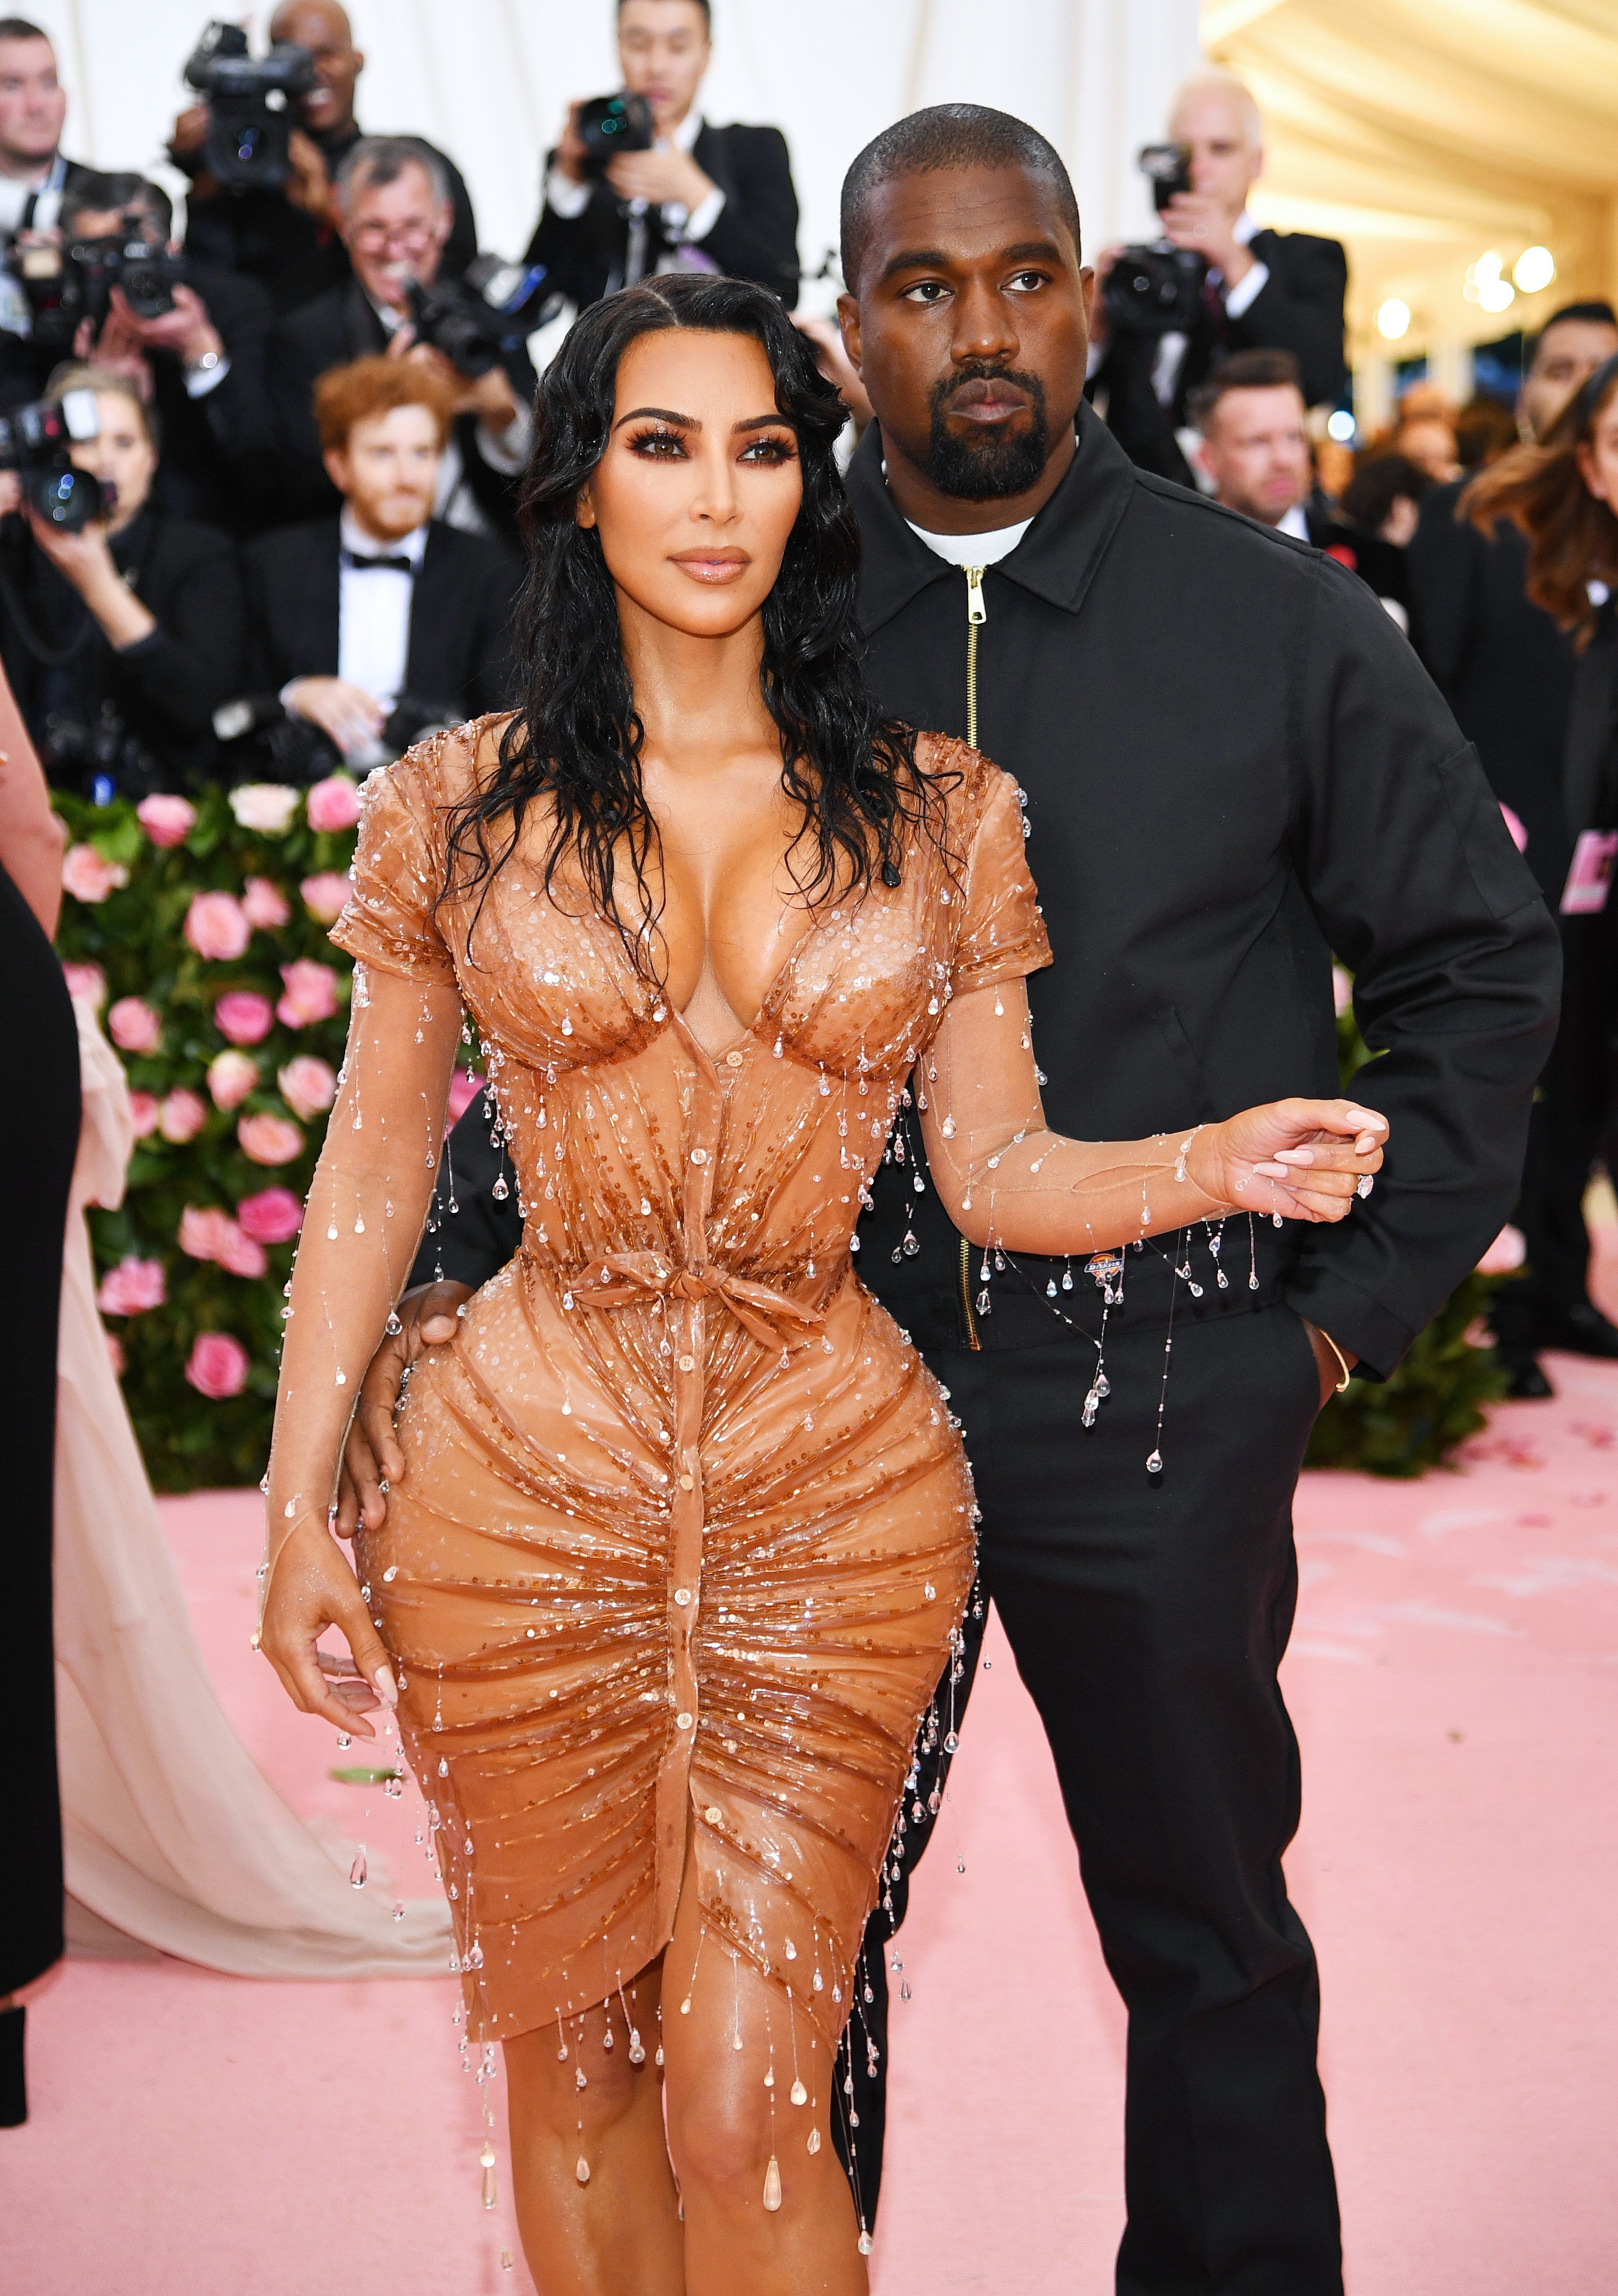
[1305, 1160]
[86, 558]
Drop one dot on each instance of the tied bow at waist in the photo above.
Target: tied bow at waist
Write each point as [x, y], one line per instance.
[762, 1312]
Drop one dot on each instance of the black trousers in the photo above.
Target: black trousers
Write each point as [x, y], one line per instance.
[1149, 1615]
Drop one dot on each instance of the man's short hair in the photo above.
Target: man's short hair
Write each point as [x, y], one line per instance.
[367, 386]
[703, 4]
[18, 27]
[1228, 84]
[947, 135]
[120, 194]
[1257, 369]
[1594, 314]
[378, 160]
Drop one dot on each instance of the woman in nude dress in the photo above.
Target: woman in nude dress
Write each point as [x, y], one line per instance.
[685, 1530]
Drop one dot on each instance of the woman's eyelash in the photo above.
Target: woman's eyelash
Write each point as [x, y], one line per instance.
[649, 443]
[644, 439]
[771, 450]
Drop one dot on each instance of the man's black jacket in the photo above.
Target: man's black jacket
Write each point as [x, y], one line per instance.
[755, 237]
[1233, 766]
[339, 326]
[460, 615]
[1298, 310]
[1502, 665]
[217, 461]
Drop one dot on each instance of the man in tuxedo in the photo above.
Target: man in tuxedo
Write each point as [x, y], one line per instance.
[1263, 289]
[34, 176]
[395, 217]
[715, 199]
[380, 620]
[289, 238]
[1506, 671]
[1221, 739]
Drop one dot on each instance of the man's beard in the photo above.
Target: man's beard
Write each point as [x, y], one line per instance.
[995, 464]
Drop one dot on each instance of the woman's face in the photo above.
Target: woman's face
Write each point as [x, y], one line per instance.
[700, 484]
[1598, 455]
[122, 457]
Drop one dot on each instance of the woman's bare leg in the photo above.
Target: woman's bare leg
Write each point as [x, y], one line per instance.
[724, 2124]
[620, 2234]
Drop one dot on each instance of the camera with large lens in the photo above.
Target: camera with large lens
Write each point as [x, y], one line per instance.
[37, 443]
[249, 122]
[1157, 290]
[67, 282]
[477, 319]
[610, 124]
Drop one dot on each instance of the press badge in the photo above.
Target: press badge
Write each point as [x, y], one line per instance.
[1589, 877]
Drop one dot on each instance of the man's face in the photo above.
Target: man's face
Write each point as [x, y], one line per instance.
[662, 51]
[1225, 161]
[389, 470]
[395, 233]
[1568, 352]
[971, 325]
[33, 103]
[323, 30]
[1256, 451]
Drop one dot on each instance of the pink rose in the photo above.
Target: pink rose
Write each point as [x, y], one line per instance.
[1506, 1254]
[269, 1139]
[265, 905]
[144, 1110]
[267, 807]
[325, 897]
[243, 1017]
[333, 803]
[216, 927]
[231, 1076]
[204, 1234]
[134, 1027]
[311, 993]
[115, 1353]
[132, 1288]
[218, 1367]
[183, 1116]
[307, 1086]
[88, 876]
[464, 1089]
[273, 1215]
[166, 820]
[87, 985]
[242, 1255]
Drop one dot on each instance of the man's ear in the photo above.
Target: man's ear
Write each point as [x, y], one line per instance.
[848, 319]
[336, 460]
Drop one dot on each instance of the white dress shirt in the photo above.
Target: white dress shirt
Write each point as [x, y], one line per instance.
[685, 227]
[373, 612]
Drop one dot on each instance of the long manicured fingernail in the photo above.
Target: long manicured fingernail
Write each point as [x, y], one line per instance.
[1295, 1155]
[387, 1689]
[1368, 1116]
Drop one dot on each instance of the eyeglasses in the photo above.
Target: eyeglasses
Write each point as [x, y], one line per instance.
[377, 237]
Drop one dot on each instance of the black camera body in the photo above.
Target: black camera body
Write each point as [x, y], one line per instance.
[609, 125]
[261, 736]
[477, 319]
[1157, 290]
[248, 100]
[37, 443]
[69, 282]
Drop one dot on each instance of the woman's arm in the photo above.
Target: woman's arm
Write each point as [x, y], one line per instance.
[86, 560]
[1005, 1178]
[366, 1212]
[31, 837]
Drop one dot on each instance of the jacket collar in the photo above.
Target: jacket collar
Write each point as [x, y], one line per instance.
[1055, 560]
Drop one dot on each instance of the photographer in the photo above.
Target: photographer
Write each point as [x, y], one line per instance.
[120, 639]
[370, 626]
[203, 361]
[287, 236]
[33, 177]
[1260, 289]
[709, 199]
[394, 215]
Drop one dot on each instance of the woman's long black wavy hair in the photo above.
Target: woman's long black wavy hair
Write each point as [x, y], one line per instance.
[575, 740]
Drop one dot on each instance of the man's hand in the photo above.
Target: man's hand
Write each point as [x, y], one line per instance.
[490, 397]
[187, 330]
[308, 187]
[1325, 1361]
[371, 1458]
[660, 176]
[346, 714]
[572, 158]
[1192, 219]
[190, 131]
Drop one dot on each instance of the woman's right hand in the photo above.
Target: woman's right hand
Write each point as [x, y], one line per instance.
[312, 1587]
[1305, 1160]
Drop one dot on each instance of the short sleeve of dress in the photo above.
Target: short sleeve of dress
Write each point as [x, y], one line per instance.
[390, 920]
[1002, 934]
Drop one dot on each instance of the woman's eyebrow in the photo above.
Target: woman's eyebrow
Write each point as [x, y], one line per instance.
[663, 415]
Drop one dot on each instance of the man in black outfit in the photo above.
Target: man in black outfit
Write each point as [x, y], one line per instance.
[383, 621]
[716, 199]
[396, 217]
[290, 239]
[1506, 671]
[1221, 738]
[35, 177]
[1264, 290]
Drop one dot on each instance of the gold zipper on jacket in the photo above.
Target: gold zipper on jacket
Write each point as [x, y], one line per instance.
[972, 1340]
[976, 614]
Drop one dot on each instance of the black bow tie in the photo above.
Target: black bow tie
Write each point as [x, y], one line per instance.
[359, 563]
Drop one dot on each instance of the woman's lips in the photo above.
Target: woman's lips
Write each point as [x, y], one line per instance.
[714, 565]
[988, 402]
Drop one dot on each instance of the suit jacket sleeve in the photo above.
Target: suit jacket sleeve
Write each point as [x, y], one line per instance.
[1299, 310]
[756, 236]
[1446, 564]
[569, 247]
[1401, 849]
[238, 411]
[183, 669]
[471, 1231]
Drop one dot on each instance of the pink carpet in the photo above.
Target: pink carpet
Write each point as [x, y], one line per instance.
[1454, 1677]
